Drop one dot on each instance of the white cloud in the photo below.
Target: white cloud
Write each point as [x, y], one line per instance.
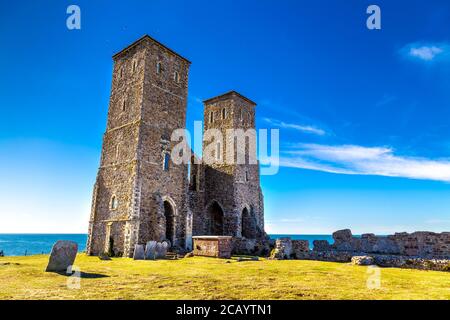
[427, 52]
[303, 128]
[351, 159]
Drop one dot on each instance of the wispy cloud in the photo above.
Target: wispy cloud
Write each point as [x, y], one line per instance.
[304, 128]
[385, 100]
[351, 159]
[428, 51]
[425, 53]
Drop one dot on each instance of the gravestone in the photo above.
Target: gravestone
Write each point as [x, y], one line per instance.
[138, 252]
[161, 250]
[62, 256]
[150, 250]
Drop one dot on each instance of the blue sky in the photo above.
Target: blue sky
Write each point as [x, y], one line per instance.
[363, 114]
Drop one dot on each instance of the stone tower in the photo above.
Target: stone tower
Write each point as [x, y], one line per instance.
[231, 199]
[139, 194]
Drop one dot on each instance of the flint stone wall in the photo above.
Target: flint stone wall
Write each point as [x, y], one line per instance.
[255, 247]
[418, 244]
[418, 250]
[285, 248]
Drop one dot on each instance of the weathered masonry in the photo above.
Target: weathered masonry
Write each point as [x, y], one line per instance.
[140, 194]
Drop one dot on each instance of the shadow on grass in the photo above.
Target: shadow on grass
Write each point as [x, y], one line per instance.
[9, 264]
[83, 275]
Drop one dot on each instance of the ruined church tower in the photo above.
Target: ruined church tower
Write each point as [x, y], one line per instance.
[232, 200]
[139, 195]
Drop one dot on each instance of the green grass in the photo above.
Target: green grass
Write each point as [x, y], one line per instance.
[208, 278]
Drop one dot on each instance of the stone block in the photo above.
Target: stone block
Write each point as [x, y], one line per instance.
[150, 250]
[161, 250]
[138, 252]
[341, 236]
[62, 256]
[213, 246]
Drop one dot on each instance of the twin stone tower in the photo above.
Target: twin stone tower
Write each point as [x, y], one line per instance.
[140, 194]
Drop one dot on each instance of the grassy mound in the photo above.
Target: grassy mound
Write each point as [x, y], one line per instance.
[208, 278]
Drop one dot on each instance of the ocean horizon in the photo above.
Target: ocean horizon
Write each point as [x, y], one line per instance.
[22, 244]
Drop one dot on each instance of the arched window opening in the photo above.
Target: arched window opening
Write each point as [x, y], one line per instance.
[170, 223]
[114, 203]
[248, 224]
[215, 217]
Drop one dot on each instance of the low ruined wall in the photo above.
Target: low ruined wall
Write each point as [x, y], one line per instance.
[418, 244]
[285, 248]
[254, 247]
[418, 250]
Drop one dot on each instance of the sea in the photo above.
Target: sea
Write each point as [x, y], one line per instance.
[30, 244]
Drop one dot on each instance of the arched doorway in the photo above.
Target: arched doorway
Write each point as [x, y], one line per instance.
[170, 223]
[215, 214]
[248, 224]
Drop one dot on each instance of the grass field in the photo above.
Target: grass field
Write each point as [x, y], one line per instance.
[208, 278]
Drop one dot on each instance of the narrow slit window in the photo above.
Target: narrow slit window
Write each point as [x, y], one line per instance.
[224, 113]
[134, 65]
[218, 151]
[166, 161]
[158, 67]
[124, 105]
[117, 150]
[194, 182]
[176, 77]
[211, 117]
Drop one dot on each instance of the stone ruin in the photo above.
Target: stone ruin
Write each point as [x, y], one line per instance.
[418, 250]
[423, 244]
[285, 248]
[140, 194]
